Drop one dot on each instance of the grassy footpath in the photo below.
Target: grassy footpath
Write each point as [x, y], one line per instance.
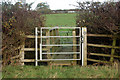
[60, 20]
[59, 72]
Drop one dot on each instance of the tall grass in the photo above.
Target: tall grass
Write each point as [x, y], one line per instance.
[60, 72]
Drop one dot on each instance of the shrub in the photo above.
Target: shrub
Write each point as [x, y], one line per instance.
[17, 21]
[100, 17]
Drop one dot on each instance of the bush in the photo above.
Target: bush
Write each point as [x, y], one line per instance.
[100, 17]
[17, 21]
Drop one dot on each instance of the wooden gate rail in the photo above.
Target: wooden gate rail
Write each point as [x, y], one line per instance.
[113, 47]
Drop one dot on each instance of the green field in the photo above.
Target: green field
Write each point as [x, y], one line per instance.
[59, 72]
[60, 20]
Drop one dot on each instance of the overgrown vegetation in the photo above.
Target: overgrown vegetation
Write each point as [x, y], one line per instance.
[17, 21]
[60, 72]
[100, 17]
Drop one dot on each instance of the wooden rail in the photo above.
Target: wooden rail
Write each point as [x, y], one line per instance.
[105, 55]
[113, 47]
[33, 49]
[106, 46]
[33, 60]
[31, 36]
[97, 60]
[102, 35]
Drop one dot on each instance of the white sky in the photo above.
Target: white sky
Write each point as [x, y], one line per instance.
[58, 4]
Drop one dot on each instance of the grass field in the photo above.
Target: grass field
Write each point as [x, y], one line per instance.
[59, 72]
[60, 20]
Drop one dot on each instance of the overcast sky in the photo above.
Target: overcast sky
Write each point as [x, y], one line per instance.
[58, 4]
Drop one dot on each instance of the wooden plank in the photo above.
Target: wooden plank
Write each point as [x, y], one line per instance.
[74, 48]
[106, 46]
[48, 42]
[62, 64]
[53, 41]
[14, 57]
[31, 36]
[101, 54]
[99, 35]
[33, 49]
[113, 50]
[102, 35]
[97, 60]
[33, 60]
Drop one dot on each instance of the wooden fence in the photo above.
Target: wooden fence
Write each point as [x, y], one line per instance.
[55, 33]
[113, 47]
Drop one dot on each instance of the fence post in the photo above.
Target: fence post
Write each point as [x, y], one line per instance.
[48, 42]
[22, 50]
[57, 33]
[22, 53]
[53, 40]
[74, 47]
[113, 50]
[84, 46]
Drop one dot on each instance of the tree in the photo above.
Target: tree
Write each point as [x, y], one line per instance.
[43, 8]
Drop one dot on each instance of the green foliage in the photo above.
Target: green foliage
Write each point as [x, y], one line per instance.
[43, 8]
[59, 72]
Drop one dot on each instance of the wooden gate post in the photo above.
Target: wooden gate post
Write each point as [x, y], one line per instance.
[84, 46]
[57, 34]
[74, 47]
[48, 42]
[53, 41]
[22, 54]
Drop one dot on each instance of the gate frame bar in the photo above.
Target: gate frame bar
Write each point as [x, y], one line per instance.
[84, 44]
[36, 46]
